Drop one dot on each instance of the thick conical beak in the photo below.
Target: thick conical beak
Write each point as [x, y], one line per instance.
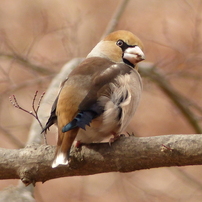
[134, 54]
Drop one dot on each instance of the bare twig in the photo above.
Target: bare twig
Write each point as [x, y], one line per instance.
[115, 18]
[33, 102]
[40, 99]
[197, 31]
[28, 83]
[14, 102]
[49, 97]
[149, 70]
[34, 113]
[20, 59]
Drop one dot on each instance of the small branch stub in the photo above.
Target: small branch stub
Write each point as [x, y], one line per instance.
[165, 148]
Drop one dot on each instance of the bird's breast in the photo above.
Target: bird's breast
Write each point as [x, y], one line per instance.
[119, 99]
[121, 104]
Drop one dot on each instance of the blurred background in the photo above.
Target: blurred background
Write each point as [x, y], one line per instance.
[38, 37]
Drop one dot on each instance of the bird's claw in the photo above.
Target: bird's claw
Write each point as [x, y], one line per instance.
[113, 139]
[130, 134]
[78, 144]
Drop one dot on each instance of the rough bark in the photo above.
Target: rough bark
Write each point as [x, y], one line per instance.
[33, 163]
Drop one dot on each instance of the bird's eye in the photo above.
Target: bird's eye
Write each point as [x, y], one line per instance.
[119, 43]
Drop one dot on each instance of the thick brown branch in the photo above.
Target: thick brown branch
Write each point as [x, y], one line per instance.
[33, 163]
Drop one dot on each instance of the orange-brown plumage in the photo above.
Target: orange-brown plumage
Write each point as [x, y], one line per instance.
[100, 96]
[128, 37]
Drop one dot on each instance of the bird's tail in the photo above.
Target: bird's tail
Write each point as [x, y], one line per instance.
[64, 144]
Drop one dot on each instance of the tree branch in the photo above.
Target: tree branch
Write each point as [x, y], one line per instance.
[33, 163]
[182, 103]
[34, 137]
[115, 18]
[40, 69]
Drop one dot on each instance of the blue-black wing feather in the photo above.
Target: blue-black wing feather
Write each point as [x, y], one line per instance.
[84, 118]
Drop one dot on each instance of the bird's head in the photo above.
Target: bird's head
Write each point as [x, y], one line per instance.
[120, 46]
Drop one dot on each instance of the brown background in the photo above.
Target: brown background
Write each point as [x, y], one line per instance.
[49, 33]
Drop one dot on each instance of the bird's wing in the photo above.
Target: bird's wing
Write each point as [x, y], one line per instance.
[53, 117]
[89, 107]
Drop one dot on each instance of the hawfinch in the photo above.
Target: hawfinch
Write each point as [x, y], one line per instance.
[100, 96]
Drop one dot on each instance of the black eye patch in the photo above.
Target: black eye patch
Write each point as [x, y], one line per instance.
[123, 45]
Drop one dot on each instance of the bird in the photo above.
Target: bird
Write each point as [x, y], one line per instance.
[100, 96]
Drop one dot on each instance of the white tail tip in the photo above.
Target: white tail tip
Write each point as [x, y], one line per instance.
[61, 159]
